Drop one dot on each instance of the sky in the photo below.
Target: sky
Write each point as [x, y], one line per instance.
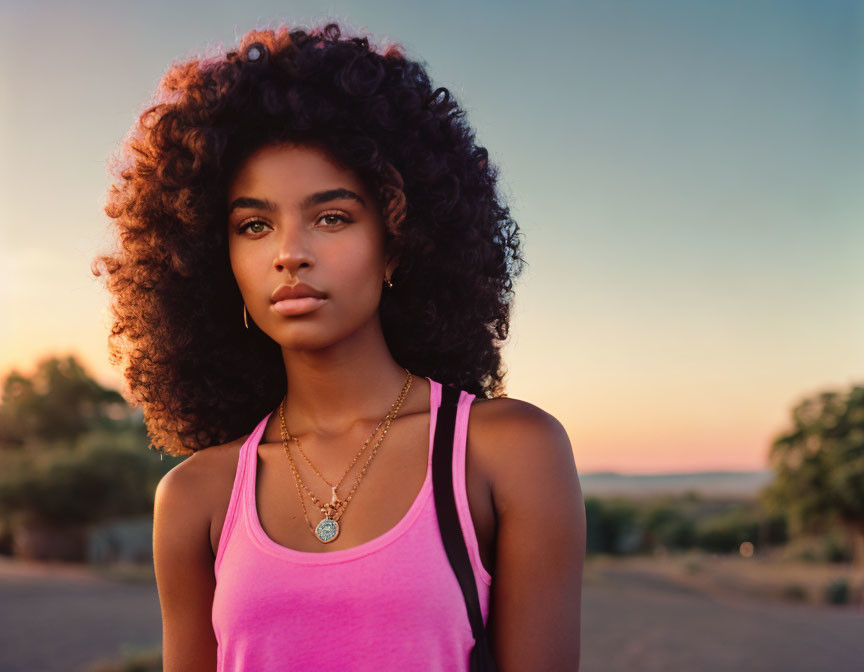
[687, 177]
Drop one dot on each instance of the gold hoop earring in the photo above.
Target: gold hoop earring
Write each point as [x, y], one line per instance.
[245, 320]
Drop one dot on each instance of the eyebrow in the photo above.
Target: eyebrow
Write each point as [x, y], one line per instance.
[312, 199]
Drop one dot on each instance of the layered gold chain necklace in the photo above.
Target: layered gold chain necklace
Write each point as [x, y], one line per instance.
[328, 528]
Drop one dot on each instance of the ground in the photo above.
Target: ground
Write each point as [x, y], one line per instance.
[637, 614]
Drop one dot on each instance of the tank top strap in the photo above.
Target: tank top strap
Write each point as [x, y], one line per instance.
[434, 405]
[250, 455]
[460, 491]
[241, 476]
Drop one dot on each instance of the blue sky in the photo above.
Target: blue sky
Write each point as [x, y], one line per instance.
[687, 175]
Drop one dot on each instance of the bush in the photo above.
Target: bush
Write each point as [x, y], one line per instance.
[830, 546]
[726, 533]
[612, 526]
[835, 548]
[680, 523]
[666, 525]
[837, 591]
[103, 476]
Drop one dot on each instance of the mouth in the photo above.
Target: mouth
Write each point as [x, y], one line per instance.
[298, 290]
[301, 306]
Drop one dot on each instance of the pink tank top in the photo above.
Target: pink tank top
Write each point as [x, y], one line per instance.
[392, 603]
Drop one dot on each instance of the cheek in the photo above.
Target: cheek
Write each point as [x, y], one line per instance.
[355, 275]
[356, 260]
[249, 264]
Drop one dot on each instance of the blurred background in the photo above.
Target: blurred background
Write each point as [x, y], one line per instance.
[688, 178]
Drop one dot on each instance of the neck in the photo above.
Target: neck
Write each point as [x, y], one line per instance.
[332, 389]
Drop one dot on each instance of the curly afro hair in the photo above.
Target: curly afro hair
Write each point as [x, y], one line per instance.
[177, 333]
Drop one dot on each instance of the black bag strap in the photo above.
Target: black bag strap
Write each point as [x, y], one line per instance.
[451, 531]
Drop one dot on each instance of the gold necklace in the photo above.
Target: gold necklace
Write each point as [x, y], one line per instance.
[394, 411]
[328, 528]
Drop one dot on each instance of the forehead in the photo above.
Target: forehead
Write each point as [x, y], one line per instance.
[288, 170]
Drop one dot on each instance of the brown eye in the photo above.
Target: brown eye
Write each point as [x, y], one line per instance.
[330, 216]
[250, 223]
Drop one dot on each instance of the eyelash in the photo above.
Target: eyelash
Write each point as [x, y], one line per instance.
[245, 225]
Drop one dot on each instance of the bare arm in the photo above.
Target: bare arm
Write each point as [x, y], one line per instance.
[183, 561]
[540, 553]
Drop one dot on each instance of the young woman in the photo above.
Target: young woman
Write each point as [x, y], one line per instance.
[313, 249]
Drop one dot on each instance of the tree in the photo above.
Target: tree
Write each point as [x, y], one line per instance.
[107, 476]
[58, 403]
[819, 466]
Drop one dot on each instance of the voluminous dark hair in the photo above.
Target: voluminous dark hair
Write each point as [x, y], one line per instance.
[201, 377]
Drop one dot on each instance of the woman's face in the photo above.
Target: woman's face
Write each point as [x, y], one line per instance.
[297, 216]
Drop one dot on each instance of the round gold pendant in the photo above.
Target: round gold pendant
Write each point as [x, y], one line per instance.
[327, 530]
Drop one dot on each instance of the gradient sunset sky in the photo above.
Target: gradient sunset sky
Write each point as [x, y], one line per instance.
[688, 176]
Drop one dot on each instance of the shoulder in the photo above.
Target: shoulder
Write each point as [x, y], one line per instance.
[194, 485]
[540, 536]
[523, 449]
[200, 466]
[183, 558]
[502, 415]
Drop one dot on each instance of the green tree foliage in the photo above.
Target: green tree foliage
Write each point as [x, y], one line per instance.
[58, 403]
[612, 526]
[71, 450]
[105, 476]
[668, 525]
[819, 466]
[726, 533]
[618, 525]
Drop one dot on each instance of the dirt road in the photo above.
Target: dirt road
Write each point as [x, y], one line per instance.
[58, 622]
[60, 619]
[636, 621]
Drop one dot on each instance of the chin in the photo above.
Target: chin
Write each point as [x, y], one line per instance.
[300, 334]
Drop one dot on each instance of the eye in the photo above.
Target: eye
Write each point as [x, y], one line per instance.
[339, 217]
[332, 220]
[250, 222]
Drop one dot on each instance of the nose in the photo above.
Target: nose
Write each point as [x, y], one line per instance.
[293, 252]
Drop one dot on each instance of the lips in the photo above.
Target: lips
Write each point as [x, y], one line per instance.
[298, 291]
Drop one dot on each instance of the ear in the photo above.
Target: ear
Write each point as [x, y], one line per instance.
[392, 259]
[391, 266]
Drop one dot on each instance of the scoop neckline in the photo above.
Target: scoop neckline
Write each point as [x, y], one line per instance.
[264, 541]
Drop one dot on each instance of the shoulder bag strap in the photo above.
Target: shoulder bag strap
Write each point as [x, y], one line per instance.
[451, 531]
